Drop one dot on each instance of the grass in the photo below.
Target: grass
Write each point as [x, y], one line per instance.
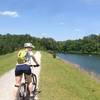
[7, 62]
[61, 81]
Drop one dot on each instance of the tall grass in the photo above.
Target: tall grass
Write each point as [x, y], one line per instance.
[61, 81]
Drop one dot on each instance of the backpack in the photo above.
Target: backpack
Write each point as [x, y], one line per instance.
[21, 56]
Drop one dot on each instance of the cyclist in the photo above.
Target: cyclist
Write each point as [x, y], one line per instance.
[23, 66]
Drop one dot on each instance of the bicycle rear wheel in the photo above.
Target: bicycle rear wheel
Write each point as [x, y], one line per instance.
[23, 92]
[34, 79]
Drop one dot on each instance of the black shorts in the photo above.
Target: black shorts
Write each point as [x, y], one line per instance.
[20, 69]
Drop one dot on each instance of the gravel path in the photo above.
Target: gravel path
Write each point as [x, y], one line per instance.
[7, 81]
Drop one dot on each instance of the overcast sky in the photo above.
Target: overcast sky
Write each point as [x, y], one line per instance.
[59, 19]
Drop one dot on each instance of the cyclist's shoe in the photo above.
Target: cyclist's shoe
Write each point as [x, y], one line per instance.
[31, 98]
[37, 91]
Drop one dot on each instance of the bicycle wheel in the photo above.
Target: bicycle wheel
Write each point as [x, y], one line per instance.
[34, 82]
[22, 93]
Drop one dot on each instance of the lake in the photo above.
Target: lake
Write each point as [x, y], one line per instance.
[88, 62]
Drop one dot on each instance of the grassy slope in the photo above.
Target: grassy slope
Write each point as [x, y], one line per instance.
[60, 81]
[7, 62]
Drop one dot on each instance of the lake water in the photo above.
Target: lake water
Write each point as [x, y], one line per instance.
[88, 62]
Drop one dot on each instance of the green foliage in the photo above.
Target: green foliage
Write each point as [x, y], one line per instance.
[89, 44]
[10, 43]
[54, 55]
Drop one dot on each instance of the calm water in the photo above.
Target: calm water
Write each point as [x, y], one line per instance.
[90, 63]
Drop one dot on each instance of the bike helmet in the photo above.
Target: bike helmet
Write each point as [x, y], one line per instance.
[28, 45]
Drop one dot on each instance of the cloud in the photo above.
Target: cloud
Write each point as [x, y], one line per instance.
[9, 13]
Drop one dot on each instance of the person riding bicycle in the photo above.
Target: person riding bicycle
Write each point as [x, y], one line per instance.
[25, 60]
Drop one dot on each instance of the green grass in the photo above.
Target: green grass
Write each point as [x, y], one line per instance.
[61, 81]
[7, 62]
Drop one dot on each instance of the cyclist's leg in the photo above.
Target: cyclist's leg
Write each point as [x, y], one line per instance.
[18, 77]
[27, 71]
[17, 84]
[30, 86]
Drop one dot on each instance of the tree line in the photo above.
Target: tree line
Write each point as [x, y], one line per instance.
[88, 45]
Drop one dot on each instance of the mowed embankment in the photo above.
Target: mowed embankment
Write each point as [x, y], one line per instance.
[62, 81]
[7, 80]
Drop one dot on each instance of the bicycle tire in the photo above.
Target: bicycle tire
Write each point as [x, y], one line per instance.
[34, 78]
[19, 97]
[22, 95]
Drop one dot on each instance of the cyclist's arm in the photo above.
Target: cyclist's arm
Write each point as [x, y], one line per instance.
[34, 59]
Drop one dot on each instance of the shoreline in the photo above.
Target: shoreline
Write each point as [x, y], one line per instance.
[91, 74]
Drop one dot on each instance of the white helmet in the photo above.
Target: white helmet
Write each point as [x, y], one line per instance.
[28, 45]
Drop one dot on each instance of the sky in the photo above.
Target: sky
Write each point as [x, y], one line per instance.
[58, 19]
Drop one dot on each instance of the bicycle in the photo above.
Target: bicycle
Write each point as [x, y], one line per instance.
[23, 92]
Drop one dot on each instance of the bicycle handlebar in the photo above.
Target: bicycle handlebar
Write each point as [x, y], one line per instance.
[35, 65]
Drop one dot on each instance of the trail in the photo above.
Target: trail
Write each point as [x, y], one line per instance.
[7, 81]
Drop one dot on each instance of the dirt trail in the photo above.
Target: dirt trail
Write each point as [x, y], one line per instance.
[7, 81]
